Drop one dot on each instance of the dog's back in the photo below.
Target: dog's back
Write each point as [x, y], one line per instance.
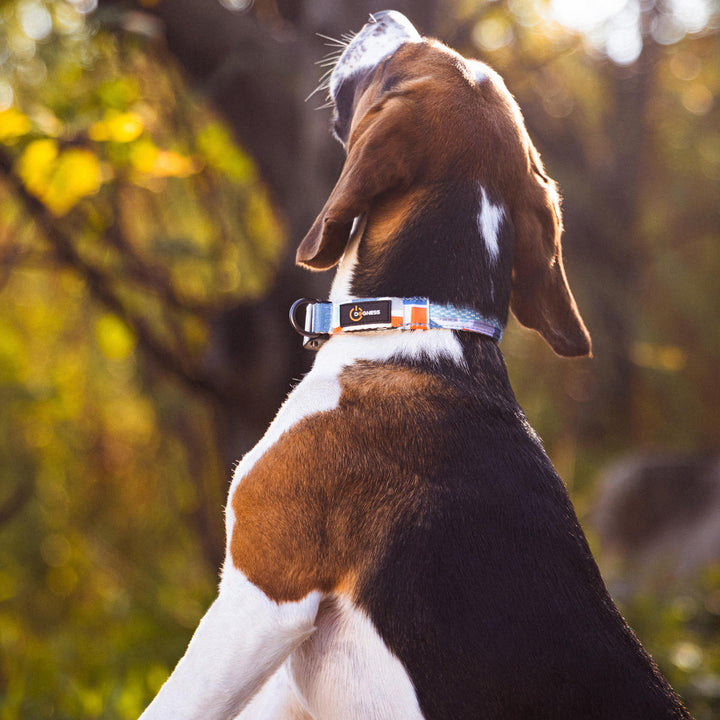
[426, 502]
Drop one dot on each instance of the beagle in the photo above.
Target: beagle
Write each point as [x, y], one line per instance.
[399, 545]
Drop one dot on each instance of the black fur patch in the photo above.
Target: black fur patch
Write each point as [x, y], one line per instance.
[440, 253]
[488, 593]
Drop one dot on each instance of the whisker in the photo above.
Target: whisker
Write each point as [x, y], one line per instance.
[334, 41]
[330, 62]
[323, 84]
[330, 56]
[316, 90]
[325, 77]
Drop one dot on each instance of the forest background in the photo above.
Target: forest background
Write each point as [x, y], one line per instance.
[158, 164]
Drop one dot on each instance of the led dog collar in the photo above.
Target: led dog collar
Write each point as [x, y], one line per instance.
[323, 319]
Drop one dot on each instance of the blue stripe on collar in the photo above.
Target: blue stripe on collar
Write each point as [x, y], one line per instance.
[323, 319]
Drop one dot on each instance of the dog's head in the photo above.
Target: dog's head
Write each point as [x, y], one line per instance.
[457, 204]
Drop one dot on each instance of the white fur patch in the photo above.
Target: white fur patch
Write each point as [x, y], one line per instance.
[277, 700]
[480, 71]
[489, 218]
[389, 344]
[380, 345]
[345, 670]
[242, 640]
[372, 44]
[340, 290]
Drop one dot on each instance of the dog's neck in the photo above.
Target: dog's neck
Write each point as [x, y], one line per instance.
[465, 261]
[455, 250]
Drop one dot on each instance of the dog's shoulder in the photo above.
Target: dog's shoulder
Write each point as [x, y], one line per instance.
[407, 443]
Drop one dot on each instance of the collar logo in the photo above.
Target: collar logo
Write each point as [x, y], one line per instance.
[357, 313]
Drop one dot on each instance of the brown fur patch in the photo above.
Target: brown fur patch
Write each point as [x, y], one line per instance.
[317, 509]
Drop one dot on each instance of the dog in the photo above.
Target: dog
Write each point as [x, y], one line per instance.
[399, 545]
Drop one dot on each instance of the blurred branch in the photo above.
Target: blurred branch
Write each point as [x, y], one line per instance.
[152, 276]
[8, 261]
[100, 286]
[16, 502]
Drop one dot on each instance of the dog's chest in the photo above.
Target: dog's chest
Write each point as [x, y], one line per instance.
[321, 389]
[345, 670]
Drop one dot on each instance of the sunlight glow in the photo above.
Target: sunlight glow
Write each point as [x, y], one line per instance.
[613, 26]
[693, 15]
[35, 20]
[584, 16]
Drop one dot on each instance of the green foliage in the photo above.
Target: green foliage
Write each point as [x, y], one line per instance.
[128, 218]
[80, 426]
[682, 633]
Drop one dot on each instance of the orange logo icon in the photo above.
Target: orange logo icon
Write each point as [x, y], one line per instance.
[356, 313]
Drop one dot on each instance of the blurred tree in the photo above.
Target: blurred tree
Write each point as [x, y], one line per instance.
[129, 220]
[146, 271]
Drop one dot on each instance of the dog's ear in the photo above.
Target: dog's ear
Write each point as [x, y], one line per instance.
[382, 156]
[541, 298]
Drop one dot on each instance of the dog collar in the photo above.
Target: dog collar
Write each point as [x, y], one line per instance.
[323, 319]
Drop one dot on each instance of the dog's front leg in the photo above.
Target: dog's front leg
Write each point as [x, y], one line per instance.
[242, 640]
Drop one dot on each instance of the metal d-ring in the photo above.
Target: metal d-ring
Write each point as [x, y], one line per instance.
[312, 340]
[301, 303]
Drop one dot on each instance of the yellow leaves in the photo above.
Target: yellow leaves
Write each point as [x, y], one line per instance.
[172, 164]
[150, 160]
[143, 155]
[36, 162]
[13, 124]
[115, 339]
[668, 358]
[120, 145]
[119, 127]
[60, 179]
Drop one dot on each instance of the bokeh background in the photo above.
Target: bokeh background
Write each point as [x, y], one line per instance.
[158, 164]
